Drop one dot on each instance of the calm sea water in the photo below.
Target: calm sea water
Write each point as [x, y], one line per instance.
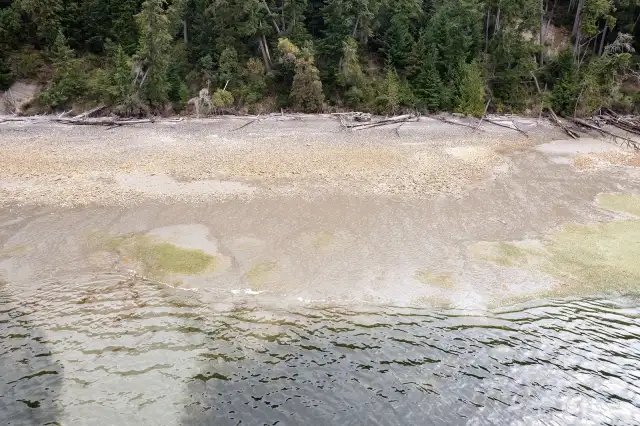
[111, 350]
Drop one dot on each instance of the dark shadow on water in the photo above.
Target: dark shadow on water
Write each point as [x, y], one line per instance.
[30, 378]
[553, 362]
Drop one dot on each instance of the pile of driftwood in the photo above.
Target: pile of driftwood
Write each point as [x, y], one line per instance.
[361, 121]
[80, 119]
[612, 125]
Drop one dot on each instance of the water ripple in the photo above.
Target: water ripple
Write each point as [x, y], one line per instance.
[117, 350]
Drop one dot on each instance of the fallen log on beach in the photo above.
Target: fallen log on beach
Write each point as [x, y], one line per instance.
[362, 120]
[101, 121]
[82, 121]
[623, 140]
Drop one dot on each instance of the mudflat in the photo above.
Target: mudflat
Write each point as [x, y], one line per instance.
[300, 210]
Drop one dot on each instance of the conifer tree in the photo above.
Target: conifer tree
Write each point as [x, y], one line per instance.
[153, 51]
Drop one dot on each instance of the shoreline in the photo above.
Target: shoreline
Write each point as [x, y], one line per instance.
[297, 212]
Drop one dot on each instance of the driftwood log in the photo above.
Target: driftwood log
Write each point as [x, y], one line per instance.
[399, 119]
[101, 121]
[623, 140]
[446, 120]
[78, 121]
[515, 126]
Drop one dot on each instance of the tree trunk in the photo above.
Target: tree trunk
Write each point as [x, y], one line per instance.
[541, 31]
[355, 28]
[284, 23]
[184, 31]
[576, 19]
[551, 14]
[497, 27]
[602, 40]
[486, 32]
[273, 21]
[575, 32]
[266, 48]
[265, 53]
[576, 46]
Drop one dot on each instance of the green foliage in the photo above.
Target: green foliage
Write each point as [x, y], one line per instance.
[153, 51]
[287, 51]
[9, 28]
[388, 99]
[594, 11]
[427, 88]
[398, 40]
[69, 82]
[140, 55]
[306, 90]
[422, 71]
[601, 81]
[228, 66]
[222, 99]
[456, 30]
[178, 92]
[27, 63]
[117, 89]
[6, 76]
[340, 18]
[43, 18]
[567, 84]
[354, 97]
[254, 89]
[350, 71]
[471, 92]
[207, 67]
[124, 29]
[511, 61]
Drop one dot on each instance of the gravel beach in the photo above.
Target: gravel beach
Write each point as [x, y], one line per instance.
[200, 160]
[288, 211]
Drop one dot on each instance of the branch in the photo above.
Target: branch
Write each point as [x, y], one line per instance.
[516, 128]
[275, 24]
[244, 125]
[444, 120]
[486, 107]
[89, 113]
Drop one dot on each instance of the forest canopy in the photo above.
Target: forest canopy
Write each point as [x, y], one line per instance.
[382, 56]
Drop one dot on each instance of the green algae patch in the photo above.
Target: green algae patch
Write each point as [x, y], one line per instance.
[261, 273]
[160, 259]
[13, 251]
[442, 280]
[583, 259]
[324, 238]
[620, 203]
[510, 254]
[597, 258]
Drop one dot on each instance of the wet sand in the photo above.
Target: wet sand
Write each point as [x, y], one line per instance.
[300, 212]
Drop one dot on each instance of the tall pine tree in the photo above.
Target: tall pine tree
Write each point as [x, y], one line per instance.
[153, 52]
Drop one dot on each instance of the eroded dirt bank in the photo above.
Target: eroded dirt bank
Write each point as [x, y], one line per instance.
[299, 211]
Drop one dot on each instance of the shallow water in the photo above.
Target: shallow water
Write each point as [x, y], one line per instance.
[113, 350]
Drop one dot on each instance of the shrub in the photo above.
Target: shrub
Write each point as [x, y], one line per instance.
[567, 85]
[471, 90]
[27, 64]
[69, 83]
[306, 91]
[388, 99]
[256, 86]
[222, 99]
[6, 76]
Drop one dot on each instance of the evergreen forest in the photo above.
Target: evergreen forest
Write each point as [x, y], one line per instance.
[142, 57]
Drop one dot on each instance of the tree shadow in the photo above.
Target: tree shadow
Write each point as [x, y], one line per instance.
[30, 379]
